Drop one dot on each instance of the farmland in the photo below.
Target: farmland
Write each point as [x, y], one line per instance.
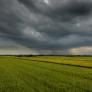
[45, 74]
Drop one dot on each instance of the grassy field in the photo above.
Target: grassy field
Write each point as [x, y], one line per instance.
[45, 74]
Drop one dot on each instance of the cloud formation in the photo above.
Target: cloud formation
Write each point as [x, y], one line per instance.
[56, 25]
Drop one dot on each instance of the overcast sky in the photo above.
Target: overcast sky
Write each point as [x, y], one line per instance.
[46, 26]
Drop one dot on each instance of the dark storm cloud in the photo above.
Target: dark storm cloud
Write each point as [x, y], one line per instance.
[68, 9]
[55, 25]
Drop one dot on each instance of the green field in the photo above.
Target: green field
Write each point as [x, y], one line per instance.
[45, 74]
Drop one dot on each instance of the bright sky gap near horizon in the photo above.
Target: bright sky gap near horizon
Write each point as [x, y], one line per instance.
[46, 27]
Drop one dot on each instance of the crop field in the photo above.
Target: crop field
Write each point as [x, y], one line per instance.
[45, 74]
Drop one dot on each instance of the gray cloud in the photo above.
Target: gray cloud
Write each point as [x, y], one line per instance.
[58, 25]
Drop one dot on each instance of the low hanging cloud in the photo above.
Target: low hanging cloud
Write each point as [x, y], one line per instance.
[51, 26]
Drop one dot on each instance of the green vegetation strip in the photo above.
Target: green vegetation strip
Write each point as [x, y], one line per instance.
[22, 75]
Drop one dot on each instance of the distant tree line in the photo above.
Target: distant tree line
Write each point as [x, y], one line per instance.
[49, 55]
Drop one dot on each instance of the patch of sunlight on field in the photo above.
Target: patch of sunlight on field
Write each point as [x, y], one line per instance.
[81, 61]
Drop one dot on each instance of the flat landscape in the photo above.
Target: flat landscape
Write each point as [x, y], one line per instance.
[45, 74]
